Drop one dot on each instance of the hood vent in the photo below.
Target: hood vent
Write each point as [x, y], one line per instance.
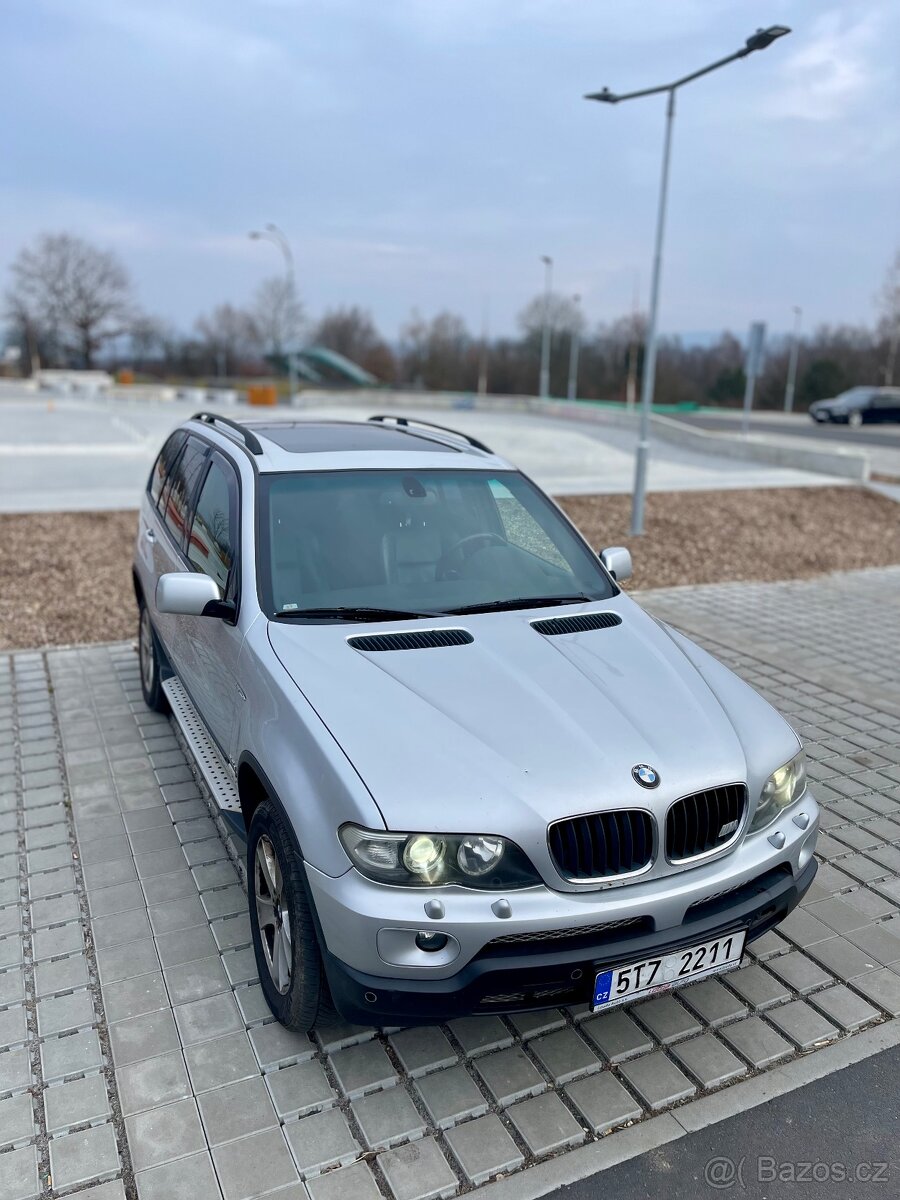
[577, 623]
[412, 639]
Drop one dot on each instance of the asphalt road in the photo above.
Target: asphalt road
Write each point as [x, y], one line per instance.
[869, 435]
[835, 1139]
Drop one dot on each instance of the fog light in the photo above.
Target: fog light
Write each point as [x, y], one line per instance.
[431, 942]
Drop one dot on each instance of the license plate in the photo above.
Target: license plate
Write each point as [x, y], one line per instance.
[653, 975]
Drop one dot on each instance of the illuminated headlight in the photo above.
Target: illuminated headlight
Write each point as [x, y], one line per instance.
[783, 788]
[436, 859]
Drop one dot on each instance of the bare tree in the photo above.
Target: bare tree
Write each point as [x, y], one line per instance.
[229, 335]
[564, 315]
[278, 314]
[439, 353]
[75, 295]
[353, 333]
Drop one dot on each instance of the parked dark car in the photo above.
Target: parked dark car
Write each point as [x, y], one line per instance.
[858, 405]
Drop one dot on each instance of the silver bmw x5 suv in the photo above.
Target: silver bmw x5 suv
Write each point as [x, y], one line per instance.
[473, 775]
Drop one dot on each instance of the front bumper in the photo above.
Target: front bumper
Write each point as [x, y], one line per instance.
[501, 982]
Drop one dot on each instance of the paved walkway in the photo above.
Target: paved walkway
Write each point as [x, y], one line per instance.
[138, 1058]
[50, 451]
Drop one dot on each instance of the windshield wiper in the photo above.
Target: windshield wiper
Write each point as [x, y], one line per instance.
[519, 602]
[353, 613]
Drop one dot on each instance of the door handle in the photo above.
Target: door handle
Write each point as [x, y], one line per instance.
[149, 534]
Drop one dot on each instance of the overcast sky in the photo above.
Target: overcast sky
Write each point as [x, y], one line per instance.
[425, 153]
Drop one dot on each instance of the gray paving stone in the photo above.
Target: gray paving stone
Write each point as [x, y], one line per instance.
[450, 1096]
[510, 1075]
[616, 1036]
[881, 987]
[387, 1118]
[10, 951]
[143, 1037]
[155, 817]
[51, 883]
[197, 980]
[213, 1017]
[19, 1178]
[422, 1049]
[81, 1157]
[16, 1120]
[349, 1183]
[133, 997]
[242, 1164]
[71, 1055]
[320, 1141]
[711, 1063]
[53, 943]
[118, 928]
[757, 987]
[60, 1014]
[10, 920]
[255, 1008]
[55, 911]
[177, 885]
[159, 837]
[532, 1024]
[803, 1024]
[756, 1041]
[844, 1007]
[186, 945]
[125, 962]
[800, 973]
[15, 1071]
[231, 933]
[358, 1069]
[418, 1171]
[480, 1035]
[215, 875]
[160, 1135]
[61, 976]
[223, 1060]
[13, 1026]
[878, 942]
[299, 1090]
[483, 1148]
[836, 915]
[240, 966]
[236, 1110]
[713, 1002]
[12, 986]
[113, 1190]
[842, 958]
[603, 1102]
[666, 1019]
[173, 915]
[81, 1102]
[191, 1178]
[546, 1125]
[656, 1080]
[564, 1056]
[152, 1083]
[210, 850]
[108, 874]
[275, 1046]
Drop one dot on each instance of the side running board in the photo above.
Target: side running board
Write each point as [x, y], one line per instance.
[206, 754]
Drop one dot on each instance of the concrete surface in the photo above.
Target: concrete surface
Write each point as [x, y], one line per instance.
[135, 1045]
[66, 454]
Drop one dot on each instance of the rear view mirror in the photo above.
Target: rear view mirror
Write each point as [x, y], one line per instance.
[187, 593]
[617, 560]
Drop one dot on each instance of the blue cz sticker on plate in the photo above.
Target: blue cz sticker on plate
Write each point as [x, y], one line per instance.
[601, 988]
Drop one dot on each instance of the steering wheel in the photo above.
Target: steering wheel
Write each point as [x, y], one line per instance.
[465, 548]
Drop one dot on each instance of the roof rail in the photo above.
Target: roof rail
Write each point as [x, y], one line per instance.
[251, 441]
[404, 421]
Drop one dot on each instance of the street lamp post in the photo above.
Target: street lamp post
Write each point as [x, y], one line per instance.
[758, 41]
[545, 332]
[271, 233]
[574, 347]
[792, 361]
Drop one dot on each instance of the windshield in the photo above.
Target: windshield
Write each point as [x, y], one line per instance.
[416, 542]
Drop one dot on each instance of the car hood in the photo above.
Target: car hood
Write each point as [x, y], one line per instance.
[518, 729]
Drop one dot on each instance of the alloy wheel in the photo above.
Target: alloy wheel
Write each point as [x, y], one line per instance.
[272, 914]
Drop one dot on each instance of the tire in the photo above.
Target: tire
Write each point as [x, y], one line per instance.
[855, 420]
[148, 656]
[285, 941]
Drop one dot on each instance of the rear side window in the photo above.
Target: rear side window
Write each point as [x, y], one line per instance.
[211, 548]
[163, 464]
[180, 491]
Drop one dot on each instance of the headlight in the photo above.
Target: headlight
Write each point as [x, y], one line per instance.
[783, 788]
[433, 859]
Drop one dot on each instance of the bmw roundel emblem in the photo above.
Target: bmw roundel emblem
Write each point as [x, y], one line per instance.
[646, 776]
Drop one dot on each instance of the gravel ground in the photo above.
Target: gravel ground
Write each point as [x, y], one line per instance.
[65, 577]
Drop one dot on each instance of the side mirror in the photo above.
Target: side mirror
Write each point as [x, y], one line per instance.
[188, 593]
[617, 560]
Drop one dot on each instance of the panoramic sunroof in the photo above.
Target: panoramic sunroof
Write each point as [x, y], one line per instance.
[308, 437]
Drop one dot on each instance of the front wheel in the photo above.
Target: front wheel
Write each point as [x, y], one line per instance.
[287, 952]
[148, 656]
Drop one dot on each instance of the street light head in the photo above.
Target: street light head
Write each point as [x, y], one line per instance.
[254, 235]
[605, 95]
[546, 259]
[765, 37]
